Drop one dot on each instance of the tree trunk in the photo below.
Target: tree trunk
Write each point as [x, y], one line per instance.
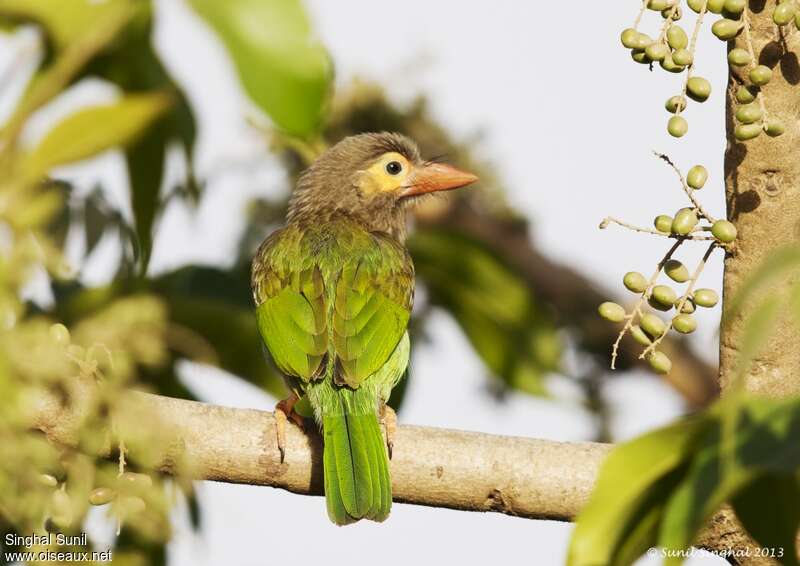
[761, 179]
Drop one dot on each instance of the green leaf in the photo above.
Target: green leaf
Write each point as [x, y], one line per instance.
[64, 22]
[133, 65]
[765, 441]
[283, 68]
[492, 303]
[93, 130]
[769, 508]
[634, 482]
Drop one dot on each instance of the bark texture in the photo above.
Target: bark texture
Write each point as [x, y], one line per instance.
[763, 199]
[537, 479]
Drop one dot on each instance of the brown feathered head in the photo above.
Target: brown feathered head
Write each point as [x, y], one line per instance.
[371, 178]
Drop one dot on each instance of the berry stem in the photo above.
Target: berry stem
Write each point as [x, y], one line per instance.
[637, 308]
[698, 23]
[748, 40]
[638, 19]
[611, 220]
[696, 203]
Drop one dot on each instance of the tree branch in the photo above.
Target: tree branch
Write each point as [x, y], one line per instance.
[468, 471]
[537, 479]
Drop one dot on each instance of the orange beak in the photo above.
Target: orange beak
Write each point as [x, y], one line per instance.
[435, 177]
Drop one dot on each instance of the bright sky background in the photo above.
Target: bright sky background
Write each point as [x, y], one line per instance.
[569, 122]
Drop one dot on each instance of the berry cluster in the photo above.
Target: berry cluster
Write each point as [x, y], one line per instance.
[647, 327]
[674, 51]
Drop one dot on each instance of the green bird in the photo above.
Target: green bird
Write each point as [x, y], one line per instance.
[333, 291]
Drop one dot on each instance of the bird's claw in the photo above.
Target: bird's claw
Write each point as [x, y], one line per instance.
[284, 411]
[389, 422]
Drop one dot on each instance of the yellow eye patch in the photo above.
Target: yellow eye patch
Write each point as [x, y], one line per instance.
[386, 174]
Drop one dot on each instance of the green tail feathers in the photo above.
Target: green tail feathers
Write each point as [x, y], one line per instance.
[357, 483]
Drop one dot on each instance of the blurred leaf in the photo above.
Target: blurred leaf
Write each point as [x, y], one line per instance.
[96, 219]
[621, 519]
[134, 66]
[492, 304]
[631, 491]
[65, 22]
[217, 306]
[769, 508]
[59, 225]
[92, 130]
[283, 68]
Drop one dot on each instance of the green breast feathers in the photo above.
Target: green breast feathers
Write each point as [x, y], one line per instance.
[332, 294]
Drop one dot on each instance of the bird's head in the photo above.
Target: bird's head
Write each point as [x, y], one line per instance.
[371, 178]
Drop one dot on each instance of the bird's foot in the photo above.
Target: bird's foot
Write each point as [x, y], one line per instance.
[389, 422]
[284, 411]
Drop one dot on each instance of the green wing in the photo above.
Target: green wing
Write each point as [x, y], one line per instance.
[371, 310]
[341, 291]
[291, 306]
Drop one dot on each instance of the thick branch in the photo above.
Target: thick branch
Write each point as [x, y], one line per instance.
[525, 477]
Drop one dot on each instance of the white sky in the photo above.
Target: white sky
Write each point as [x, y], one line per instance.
[569, 121]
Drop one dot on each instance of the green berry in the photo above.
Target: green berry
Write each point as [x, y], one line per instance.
[734, 6]
[724, 231]
[629, 38]
[656, 51]
[59, 334]
[659, 362]
[640, 56]
[744, 132]
[677, 126]
[611, 311]
[676, 14]
[784, 13]
[715, 6]
[642, 41]
[698, 89]
[130, 505]
[635, 281]
[697, 177]
[745, 95]
[684, 323]
[663, 295]
[688, 306]
[682, 57]
[675, 103]
[658, 5]
[61, 509]
[696, 5]
[676, 37]
[653, 325]
[774, 128]
[639, 335]
[102, 495]
[663, 223]
[132, 480]
[684, 222]
[760, 75]
[726, 29]
[48, 480]
[705, 298]
[748, 113]
[668, 64]
[676, 271]
[738, 57]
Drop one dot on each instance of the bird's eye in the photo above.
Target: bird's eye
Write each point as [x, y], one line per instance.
[394, 168]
